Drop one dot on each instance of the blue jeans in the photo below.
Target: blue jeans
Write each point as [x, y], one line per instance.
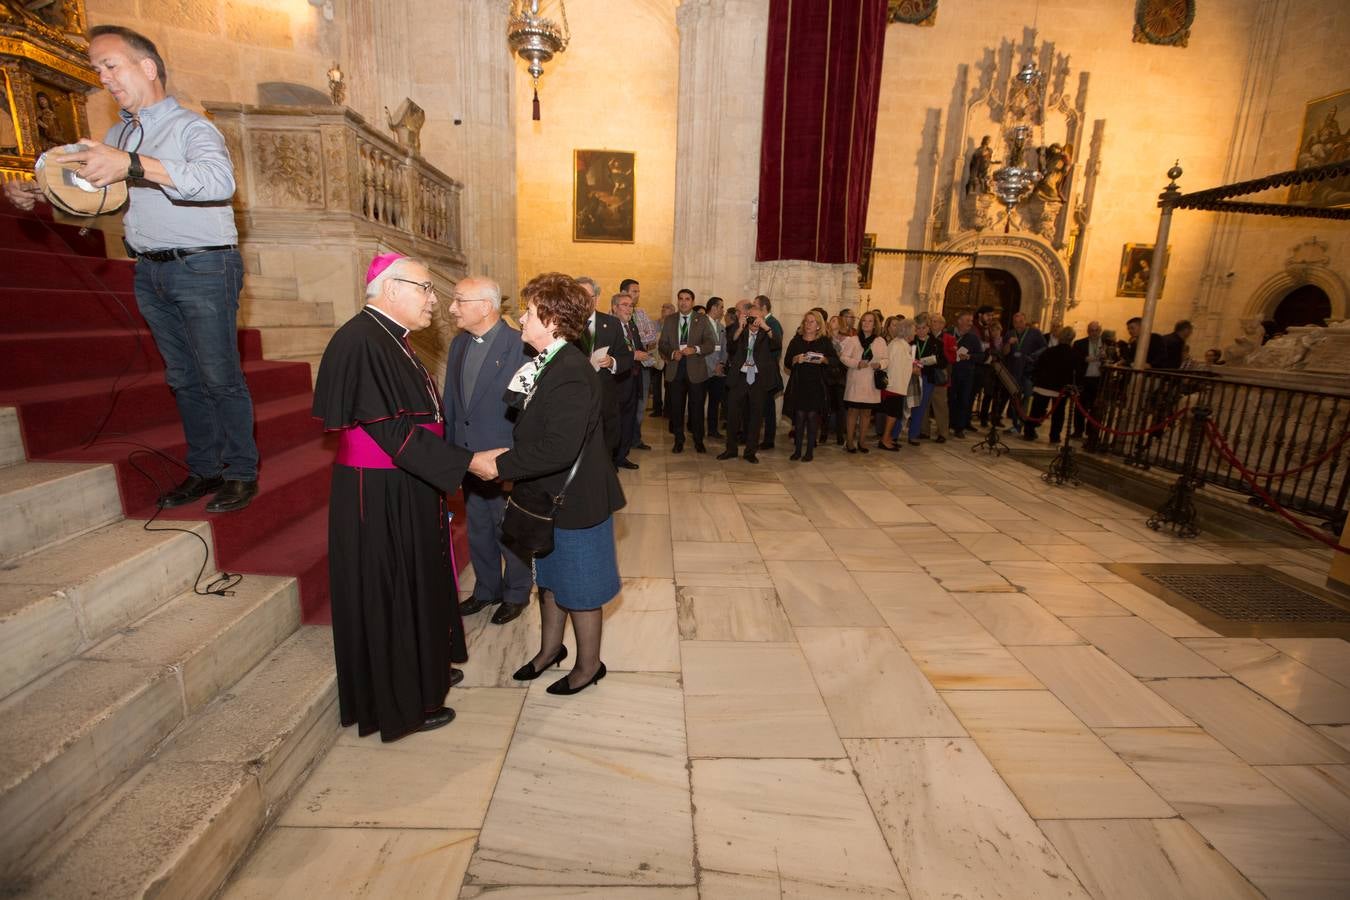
[191, 305]
[916, 415]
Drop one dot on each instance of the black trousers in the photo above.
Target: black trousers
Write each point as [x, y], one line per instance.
[628, 388]
[684, 398]
[1087, 394]
[1039, 404]
[658, 385]
[745, 403]
[717, 392]
[769, 419]
[484, 506]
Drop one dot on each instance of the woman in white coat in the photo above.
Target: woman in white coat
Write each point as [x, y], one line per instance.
[862, 355]
[899, 370]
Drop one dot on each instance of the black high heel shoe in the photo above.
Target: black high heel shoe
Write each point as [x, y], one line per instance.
[528, 673]
[562, 688]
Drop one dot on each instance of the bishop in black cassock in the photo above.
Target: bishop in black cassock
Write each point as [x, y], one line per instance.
[396, 625]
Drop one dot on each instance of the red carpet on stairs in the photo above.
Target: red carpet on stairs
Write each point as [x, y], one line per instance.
[74, 350]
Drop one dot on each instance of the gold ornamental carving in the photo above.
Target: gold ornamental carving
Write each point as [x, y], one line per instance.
[287, 168]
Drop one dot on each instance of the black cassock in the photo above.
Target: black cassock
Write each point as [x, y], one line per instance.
[396, 623]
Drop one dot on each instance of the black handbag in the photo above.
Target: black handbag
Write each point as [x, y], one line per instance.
[529, 534]
[880, 379]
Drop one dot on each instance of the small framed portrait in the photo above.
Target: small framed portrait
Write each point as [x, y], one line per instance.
[865, 260]
[605, 199]
[1136, 264]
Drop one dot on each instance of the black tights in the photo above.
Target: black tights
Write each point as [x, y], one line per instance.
[806, 424]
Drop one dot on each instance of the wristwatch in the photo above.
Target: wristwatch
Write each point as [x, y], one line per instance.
[135, 169]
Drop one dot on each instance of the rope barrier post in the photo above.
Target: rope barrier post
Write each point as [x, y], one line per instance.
[1064, 468]
[1178, 513]
[992, 442]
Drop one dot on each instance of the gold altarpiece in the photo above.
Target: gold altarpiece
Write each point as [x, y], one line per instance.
[44, 79]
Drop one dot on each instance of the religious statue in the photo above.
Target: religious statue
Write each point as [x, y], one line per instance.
[407, 124]
[1246, 343]
[1056, 160]
[9, 135]
[981, 163]
[50, 132]
[337, 85]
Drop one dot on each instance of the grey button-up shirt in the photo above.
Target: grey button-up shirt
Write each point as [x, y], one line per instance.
[196, 211]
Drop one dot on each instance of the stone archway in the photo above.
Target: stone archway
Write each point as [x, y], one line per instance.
[1308, 264]
[1040, 273]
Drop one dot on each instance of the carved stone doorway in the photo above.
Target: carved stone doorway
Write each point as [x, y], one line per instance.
[970, 289]
[1306, 305]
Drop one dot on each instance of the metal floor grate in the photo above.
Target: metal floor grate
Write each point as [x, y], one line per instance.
[1250, 597]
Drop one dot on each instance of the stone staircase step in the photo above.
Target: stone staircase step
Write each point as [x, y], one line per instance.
[270, 287]
[290, 343]
[65, 598]
[11, 438]
[180, 825]
[257, 313]
[42, 503]
[78, 730]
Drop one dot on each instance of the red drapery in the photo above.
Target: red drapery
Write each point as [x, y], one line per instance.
[822, 85]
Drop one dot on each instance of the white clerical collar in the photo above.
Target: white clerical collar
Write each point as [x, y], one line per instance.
[390, 318]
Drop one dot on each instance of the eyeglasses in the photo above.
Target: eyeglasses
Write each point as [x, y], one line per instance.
[426, 286]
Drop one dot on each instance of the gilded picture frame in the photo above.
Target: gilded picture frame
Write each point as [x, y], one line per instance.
[1321, 141]
[604, 204]
[1135, 262]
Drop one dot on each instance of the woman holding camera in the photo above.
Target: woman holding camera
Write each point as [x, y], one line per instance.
[809, 358]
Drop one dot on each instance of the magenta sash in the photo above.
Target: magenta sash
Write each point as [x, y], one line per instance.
[359, 450]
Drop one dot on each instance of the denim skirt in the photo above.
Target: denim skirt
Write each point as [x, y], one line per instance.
[582, 571]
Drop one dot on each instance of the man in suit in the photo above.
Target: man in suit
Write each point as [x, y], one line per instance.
[1170, 351]
[628, 382]
[1023, 345]
[717, 367]
[483, 357]
[686, 343]
[751, 350]
[604, 343]
[970, 354]
[648, 331]
[772, 390]
[1091, 353]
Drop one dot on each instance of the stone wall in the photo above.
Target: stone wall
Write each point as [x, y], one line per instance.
[615, 89]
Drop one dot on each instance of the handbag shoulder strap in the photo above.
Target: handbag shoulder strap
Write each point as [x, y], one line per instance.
[572, 473]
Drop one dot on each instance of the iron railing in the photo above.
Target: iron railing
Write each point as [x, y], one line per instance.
[1295, 439]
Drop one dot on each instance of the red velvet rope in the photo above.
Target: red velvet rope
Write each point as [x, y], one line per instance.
[1221, 445]
[1150, 430]
[1048, 413]
[1326, 455]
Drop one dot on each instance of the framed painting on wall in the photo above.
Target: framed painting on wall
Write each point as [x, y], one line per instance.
[1323, 140]
[605, 201]
[1136, 260]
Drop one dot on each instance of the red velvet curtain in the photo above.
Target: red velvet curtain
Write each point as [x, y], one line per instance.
[821, 89]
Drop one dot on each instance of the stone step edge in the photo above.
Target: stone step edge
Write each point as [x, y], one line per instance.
[80, 496]
[245, 788]
[11, 437]
[40, 801]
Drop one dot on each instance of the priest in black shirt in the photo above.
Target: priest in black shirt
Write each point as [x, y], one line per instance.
[396, 627]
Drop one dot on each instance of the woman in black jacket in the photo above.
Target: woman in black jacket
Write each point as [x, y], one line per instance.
[559, 402]
[1056, 368]
[809, 358]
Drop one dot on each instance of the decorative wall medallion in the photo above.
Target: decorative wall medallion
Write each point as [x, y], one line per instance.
[1165, 22]
[912, 12]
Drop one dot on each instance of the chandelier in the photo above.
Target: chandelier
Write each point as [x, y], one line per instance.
[535, 38]
[1015, 181]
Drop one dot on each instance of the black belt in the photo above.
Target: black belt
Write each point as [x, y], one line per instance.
[176, 252]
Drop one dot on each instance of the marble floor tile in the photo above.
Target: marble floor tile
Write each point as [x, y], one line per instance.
[1071, 553]
[821, 593]
[928, 552]
[1033, 532]
[1160, 859]
[1167, 619]
[1338, 733]
[891, 588]
[641, 632]
[935, 623]
[706, 517]
[774, 514]
[872, 687]
[724, 579]
[442, 779]
[826, 507]
[904, 534]
[1051, 515]
[704, 556]
[1074, 598]
[581, 892]
[608, 767]
[783, 828]
[745, 490]
[1017, 619]
[1021, 731]
[884, 507]
[1282, 848]
[1302, 692]
[1322, 790]
[972, 669]
[1330, 656]
[806, 544]
[643, 546]
[496, 651]
[991, 509]
[1141, 649]
[953, 519]
[868, 550]
[965, 576]
[995, 548]
[754, 700]
[1097, 690]
[416, 863]
[731, 614]
[1092, 573]
[646, 499]
[697, 480]
[954, 828]
[1247, 724]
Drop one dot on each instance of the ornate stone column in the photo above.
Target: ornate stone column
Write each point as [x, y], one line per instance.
[721, 108]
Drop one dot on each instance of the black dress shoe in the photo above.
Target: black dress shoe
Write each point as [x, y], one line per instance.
[438, 719]
[562, 687]
[715, 434]
[750, 457]
[233, 496]
[767, 445]
[678, 448]
[456, 676]
[507, 611]
[194, 487]
[796, 455]
[528, 672]
[626, 464]
[699, 448]
[474, 604]
[641, 446]
[810, 455]
[727, 454]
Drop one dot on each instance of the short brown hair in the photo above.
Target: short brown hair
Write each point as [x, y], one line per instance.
[560, 302]
[141, 47]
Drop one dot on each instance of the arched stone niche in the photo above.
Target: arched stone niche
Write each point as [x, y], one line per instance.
[1308, 263]
[1039, 270]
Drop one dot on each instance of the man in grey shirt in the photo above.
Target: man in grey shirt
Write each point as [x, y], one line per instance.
[180, 227]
